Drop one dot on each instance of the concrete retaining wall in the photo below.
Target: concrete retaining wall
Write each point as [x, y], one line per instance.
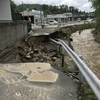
[11, 32]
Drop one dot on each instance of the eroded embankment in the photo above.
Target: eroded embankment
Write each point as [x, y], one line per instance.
[38, 49]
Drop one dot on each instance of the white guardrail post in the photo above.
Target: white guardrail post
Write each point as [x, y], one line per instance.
[90, 77]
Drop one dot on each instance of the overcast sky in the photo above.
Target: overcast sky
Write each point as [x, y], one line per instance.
[83, 5]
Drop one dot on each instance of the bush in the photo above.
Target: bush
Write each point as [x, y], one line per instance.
[85, 26]
[86, 92]
[68, 30]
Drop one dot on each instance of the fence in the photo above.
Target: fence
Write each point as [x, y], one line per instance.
[90, 77]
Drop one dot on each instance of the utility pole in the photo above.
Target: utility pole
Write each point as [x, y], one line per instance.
[40, 17]
[66, 13]
[28, 13]
[23, 11]
[73, 14]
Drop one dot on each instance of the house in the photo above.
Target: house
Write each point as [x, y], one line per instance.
[5, 10]
[65, 17]
[58, 17]
[38, 16]
[28, 15]
[68, 14]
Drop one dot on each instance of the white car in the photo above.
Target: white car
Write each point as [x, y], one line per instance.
[78, 19]
[89, 20]
[52, 22]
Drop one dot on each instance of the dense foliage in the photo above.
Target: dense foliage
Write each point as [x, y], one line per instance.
[48, 9]
[71, 29]
[14, 8]
[96, 5]
[86, 92]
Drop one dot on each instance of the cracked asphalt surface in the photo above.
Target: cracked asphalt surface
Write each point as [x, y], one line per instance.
[15, 86]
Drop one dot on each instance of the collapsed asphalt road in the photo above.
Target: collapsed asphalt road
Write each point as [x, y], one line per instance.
[35, 81]
[33, 73]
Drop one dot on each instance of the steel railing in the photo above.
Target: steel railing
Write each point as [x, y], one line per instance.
[90, 77]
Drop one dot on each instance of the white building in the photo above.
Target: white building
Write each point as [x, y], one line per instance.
[68, 14]
[28, 15]
[38, 16]
[5, 10]
[59, 17]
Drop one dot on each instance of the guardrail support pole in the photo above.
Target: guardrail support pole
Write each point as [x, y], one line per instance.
[81, 78]
[62, 65]
[59, 48]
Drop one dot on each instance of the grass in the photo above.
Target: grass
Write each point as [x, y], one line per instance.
[68, 30]
[86, 92]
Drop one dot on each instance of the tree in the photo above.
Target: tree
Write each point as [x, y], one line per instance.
[96, 5]
[35, 8]
[48, 9]
[44, 7]
[14, 8]
[71, 9]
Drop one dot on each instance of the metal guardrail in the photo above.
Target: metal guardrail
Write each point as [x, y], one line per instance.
[90, 77]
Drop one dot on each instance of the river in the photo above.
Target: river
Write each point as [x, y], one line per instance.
[84, 44]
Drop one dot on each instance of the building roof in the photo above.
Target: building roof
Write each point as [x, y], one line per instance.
[68, 14]
[37, 12]
[27, 13]
[59, 15]
[56, 16]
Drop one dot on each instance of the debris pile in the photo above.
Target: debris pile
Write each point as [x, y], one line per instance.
[42, 52]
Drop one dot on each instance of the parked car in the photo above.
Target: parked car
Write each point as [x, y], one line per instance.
[52, 22]
[89, 20]
[78, 19]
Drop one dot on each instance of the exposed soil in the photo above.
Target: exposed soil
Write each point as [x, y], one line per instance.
[38, 49]
[85, 45]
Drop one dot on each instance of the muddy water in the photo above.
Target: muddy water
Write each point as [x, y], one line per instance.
[85, 45]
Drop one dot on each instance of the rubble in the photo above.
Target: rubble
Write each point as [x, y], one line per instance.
[37, 52]
[54, 58]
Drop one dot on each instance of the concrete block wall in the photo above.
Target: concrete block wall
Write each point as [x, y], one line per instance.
[11, 32]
